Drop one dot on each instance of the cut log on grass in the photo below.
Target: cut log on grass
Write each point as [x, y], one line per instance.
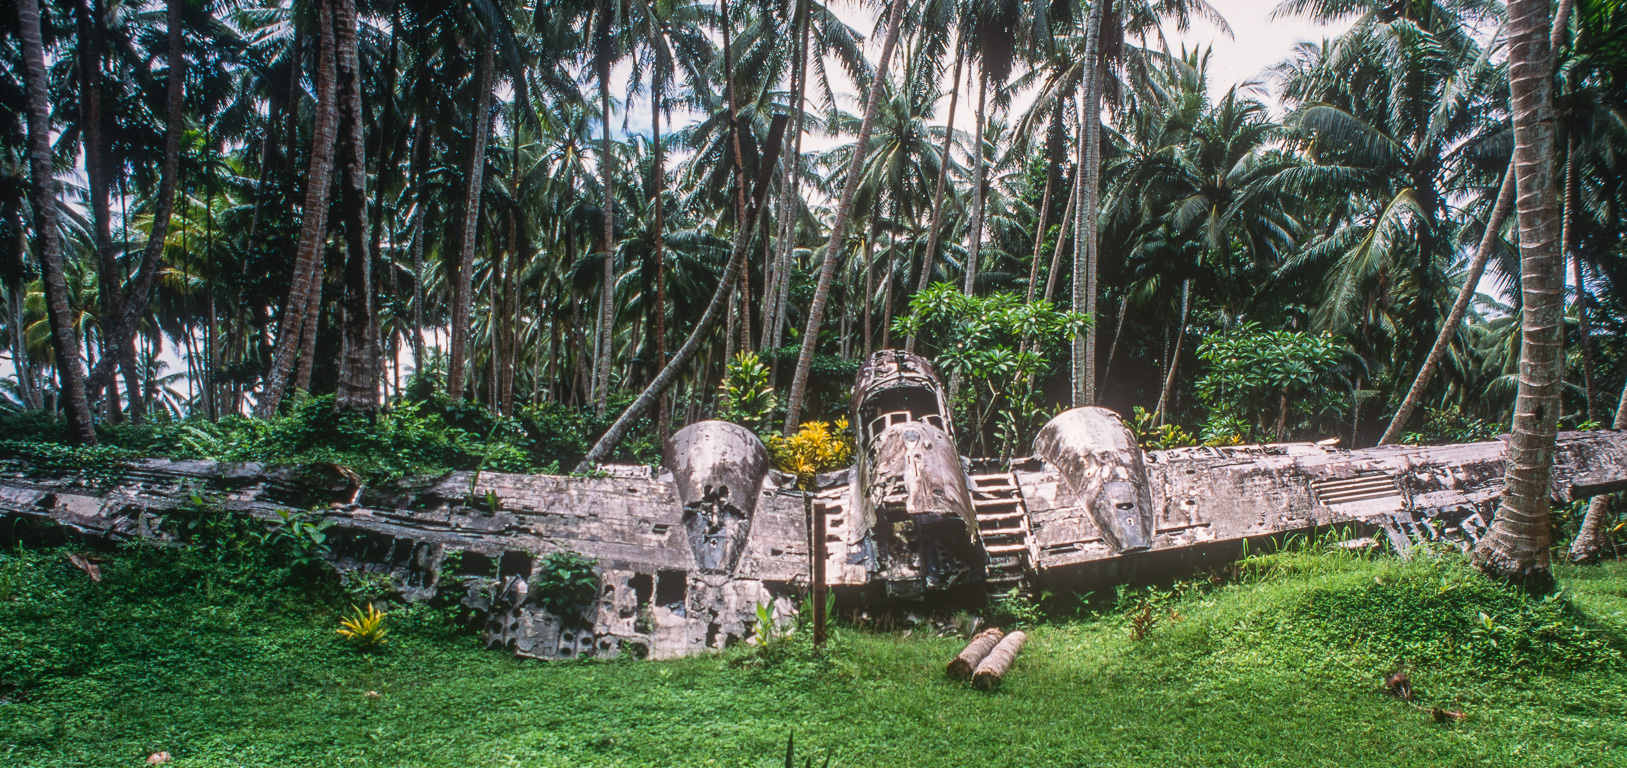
[961, 666]
[994, 667]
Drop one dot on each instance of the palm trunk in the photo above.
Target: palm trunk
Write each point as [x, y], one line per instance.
[744, 289]
[838, 233]
[980, 172]
[463, 279]
[1516, 547]
[313, 229]
[311, 324]
[869, 287]
[774, 313]
[43, 199]
[659, 322]
[1084, 269]
[927, 258]
[708, 320]
[358, 361]
[1113, 348]
[97, 162]
[1175, 356]
[607, 289]
[1567, 245]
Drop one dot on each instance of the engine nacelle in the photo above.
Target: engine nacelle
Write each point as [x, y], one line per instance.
[1103, 466]
[719, 470]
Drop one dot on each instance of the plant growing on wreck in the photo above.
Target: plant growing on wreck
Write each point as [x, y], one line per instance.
[817, 447]
[565, 584]
[1152, 436]
[746, 397]
[364, 628]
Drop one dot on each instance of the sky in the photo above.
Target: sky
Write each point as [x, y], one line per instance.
[1257, 41]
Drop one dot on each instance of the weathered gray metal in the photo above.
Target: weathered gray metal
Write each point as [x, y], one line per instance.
[686, 557]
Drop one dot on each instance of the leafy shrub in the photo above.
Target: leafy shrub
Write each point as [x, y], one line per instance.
[817, 447]
[1257, 376]
[566, 583]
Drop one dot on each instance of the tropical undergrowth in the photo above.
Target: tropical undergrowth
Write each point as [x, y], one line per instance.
[414, 436]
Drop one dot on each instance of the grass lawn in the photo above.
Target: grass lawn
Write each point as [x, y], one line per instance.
[1281, 666]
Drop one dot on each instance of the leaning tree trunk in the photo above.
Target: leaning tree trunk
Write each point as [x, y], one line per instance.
[838, 231]
[708, 320]
[313, 228]
[457, 361]
[1084, 267]
[930, 256]
[1471, 281]
[358, 362]
[43, 199]
[1516, 547]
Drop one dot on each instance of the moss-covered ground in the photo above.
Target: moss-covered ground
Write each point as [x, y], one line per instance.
[1280, 665]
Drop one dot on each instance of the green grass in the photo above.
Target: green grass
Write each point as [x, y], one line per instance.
[1283, 666]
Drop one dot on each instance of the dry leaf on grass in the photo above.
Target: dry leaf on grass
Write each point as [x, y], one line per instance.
[84, 564]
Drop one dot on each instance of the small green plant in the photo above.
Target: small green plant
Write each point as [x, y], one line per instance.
[565, 584]
[1019, 609]
[769, 635]
[364, 628]
[302, 536]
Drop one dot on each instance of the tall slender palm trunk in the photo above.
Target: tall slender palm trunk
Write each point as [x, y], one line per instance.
[774, 325]
[658, 173]
[313, 230]
[358, 360]
[930, 256]
[980, 178]
[43, 199]
[1516, 547]
[1086, 258]
[838, 232]
[607, 287]
[1567, 246]
[474, 179]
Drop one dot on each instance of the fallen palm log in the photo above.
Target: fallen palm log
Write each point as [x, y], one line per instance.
[994, 667]
[961, 666]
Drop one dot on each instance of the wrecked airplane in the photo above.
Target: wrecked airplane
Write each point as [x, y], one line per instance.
[686, 556]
